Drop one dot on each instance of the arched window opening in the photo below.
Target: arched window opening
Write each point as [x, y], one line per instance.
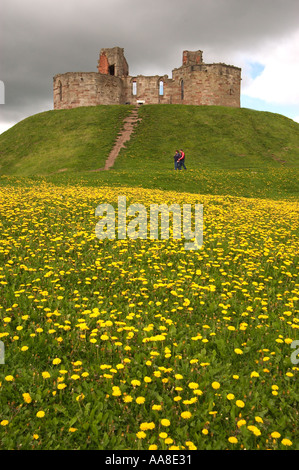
[161, 88]
[182, 89]
[112, 69]
[134, 88]
[60, 90]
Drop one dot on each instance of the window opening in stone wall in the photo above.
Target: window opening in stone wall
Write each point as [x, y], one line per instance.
[182, 89]
[60, 90]
[161, 88]
[112, 69]
[134, 89]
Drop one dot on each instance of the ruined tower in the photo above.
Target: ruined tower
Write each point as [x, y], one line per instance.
[193, 83]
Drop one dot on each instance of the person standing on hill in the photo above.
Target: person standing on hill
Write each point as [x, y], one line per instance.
[181, 160]
[176, 158]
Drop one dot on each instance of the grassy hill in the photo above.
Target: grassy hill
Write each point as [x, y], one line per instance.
[228, 150]
[77, 139]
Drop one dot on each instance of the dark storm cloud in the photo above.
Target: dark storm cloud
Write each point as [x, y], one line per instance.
[40, 38]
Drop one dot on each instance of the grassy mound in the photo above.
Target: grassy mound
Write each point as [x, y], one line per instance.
[53, 141]
[212, 137]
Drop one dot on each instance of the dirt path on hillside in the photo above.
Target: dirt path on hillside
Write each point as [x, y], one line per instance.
[125, 135]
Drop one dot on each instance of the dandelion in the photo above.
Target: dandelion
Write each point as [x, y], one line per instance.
[4, 422]
[135, 383]
[9, 378]
[168, 440]
[165, 422]
[56, 361]
[230, 396]
[241, 422]
[61, 386]
[27, 398]
[275, 435]
[140, 400]
[186, 415]
[146, 426]
[286, 442]
[258, 419]
[240, 403]
[255, 430]
[238, 351]
[141, 435]
[156, 407]
[205, 432]
[46, 375]
[75, 377]
[254, 374]
[233, 440]
[127, 399]
[193, 385]
[215, 385]
[40, 414]
[73, 429]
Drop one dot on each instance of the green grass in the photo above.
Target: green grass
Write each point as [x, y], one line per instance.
[49, 142]
[228, 151]
[106, 339]
[103, 337]
[212, 137]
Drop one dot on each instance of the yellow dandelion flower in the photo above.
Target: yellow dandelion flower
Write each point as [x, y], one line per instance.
[215, 385]
[240, 403]
[186, 415]
[27, 398]
[238, 351]
[56, 361]
[9, 378]
[286, 442]
[241, 422]
[165, 422]
[193, 385]
[140, 400]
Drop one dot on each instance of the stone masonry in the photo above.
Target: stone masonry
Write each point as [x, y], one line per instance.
[194, 83]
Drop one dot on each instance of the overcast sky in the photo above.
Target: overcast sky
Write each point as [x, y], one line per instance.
[40, 38]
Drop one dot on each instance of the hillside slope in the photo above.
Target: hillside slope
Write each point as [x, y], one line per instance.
[212, 137]
[79, 140]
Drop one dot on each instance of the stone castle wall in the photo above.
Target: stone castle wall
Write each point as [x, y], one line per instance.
[194, 83]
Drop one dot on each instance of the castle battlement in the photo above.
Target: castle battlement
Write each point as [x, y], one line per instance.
[193, 83]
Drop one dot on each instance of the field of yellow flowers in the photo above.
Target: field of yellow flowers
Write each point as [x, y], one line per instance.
[140, 344]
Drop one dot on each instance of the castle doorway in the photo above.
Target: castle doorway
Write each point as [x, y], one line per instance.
[112, 69]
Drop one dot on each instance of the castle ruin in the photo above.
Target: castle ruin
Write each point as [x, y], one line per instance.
[194, 83]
